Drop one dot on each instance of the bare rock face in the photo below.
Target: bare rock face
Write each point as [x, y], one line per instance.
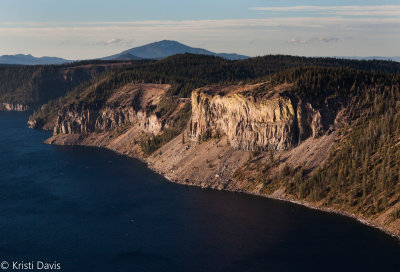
[13, 107]
[71, 121]
[278, 121]
[129, 105]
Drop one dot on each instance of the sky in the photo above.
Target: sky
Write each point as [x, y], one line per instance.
[85, 29]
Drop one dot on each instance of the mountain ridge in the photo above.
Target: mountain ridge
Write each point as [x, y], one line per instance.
[384, 58]
[28, 59]
[166, 48]
[285, 136]
[156, 50]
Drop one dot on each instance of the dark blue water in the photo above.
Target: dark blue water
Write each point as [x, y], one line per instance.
[92, 210]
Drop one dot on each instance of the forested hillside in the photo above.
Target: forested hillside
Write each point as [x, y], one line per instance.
[36, 85]
[189, 71]
[362, 172]
[336, 123]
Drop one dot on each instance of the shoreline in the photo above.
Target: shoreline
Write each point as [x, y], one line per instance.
[306, 204]
[303, 203]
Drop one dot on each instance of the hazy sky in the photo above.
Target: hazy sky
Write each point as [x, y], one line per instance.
[81, 29]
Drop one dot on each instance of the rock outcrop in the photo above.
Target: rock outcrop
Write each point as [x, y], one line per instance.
[276, 121]
[13, 107]
[131, 104]
[247, 117]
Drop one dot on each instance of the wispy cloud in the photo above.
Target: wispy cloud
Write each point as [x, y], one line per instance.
[379, 10]
[109, 42]
[299, 41]
[274, 35]
[314, 39]
[114, 41]
[309, 22]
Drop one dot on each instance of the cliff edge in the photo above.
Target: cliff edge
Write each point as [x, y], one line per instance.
[304, 136]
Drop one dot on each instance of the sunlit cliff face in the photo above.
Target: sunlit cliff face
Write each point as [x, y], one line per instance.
[278, 122]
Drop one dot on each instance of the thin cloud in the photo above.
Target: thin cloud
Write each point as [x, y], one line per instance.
[327, 40]
[309, 22]
[109, 42]
[297, 41]
[320, 39]
[273, 35]
[379, 10]
[114, 41]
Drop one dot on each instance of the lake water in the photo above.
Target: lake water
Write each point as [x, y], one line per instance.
[92, 210]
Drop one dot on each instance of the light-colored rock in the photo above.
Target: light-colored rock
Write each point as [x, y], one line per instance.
[130, 105]
[277, 122]
[13, 107]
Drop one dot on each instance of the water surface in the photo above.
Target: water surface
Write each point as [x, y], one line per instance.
[92, 210]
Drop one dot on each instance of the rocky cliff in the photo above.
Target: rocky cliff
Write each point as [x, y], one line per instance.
[13, 107]
[276, 121]
[130, 105]
[129, 116]
[302, 134]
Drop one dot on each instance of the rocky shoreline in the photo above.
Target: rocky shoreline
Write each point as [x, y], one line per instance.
[291, 200]
[233, 140]
[280, 197]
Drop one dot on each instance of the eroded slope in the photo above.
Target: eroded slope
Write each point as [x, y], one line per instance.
[326, 137]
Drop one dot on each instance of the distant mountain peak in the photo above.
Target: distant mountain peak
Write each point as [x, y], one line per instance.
[168, 43]
[165, 48]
